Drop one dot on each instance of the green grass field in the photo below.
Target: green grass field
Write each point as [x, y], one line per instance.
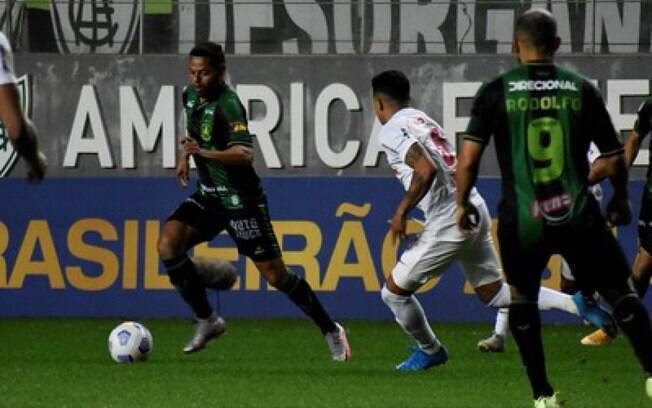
[284, 363]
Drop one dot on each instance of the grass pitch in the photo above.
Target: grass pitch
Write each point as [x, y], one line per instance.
[284, 363]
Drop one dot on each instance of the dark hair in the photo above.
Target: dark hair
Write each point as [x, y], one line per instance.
[540, 29]
[212, 51]
[393, 84]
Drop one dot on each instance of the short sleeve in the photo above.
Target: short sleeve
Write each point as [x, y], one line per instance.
[7, 75]
[480, 127]
[598, 122]
[644, 118]
[396, 141]
[235, 116]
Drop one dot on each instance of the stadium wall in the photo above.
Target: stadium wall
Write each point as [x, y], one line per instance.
[83, 243]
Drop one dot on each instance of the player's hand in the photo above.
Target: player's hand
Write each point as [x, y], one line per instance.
[183, 171]
[398, 225]
[37, 168]
[190, 145]
[468, 218]
[619, 211]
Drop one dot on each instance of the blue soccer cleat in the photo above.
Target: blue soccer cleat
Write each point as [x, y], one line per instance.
[420, 360]
[594, 314]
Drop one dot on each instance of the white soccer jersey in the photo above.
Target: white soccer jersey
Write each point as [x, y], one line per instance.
[407, 127]
[6, 62]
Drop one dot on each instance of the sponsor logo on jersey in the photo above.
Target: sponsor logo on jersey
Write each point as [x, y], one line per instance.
[8, 155]
[102, 26]
[541, 85]
[239, 127]
[554, 209]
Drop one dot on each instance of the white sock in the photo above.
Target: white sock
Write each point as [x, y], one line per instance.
[502, 322]
[502, 298]
[410, 316]
[552, 299]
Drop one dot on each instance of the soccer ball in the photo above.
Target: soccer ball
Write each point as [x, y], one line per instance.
[129, 342]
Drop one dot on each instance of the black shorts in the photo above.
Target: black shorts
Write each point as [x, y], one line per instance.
[594, 255]
[645, 224]
[250, 227]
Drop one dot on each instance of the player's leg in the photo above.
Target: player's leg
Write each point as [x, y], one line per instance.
[642, 269]
[523, 268]
[599, 263]
[423, 260]
[180, 233]
[254, 235]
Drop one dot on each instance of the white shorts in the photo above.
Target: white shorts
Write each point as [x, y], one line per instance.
[442, 243]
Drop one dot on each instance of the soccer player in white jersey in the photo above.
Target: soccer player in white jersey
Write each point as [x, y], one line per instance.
[424, 162]
[20, 131]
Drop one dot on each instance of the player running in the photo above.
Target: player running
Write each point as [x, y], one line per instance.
[20, 131]
[496, 342]
[424, 162]
[642, 269]
[229, 197]
[543, 118]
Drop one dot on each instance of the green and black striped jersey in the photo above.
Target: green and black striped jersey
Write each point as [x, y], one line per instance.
[543, 118]
[217, 125]
[643, 126]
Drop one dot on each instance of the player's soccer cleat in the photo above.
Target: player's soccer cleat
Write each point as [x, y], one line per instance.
[548, 402]
[420, 360]
[593, 313]
[206, 330]
[492, 344]
[648, 387]
[338, 343]
[597, 338]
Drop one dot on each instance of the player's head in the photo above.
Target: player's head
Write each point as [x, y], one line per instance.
[207, 67]
[535, 35]
[391, 92]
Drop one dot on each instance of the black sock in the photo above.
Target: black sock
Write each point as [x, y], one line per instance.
[183, 276]
[302, 295]
[525, 324]
[632, 318]
[641, 286]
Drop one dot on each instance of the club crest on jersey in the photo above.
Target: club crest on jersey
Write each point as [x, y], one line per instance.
[98, 26]
[8, 155]
[206, 131]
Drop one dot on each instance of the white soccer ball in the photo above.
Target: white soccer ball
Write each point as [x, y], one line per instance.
[129, 342]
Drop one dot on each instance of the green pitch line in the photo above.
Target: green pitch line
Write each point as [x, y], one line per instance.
[285, 363]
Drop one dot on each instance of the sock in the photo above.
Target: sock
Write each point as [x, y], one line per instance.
[632, 317]
[551, 299]
[302, 295]
[501, 327]
[183, 276]
[641, 286]
[525, 323]
[502, 298]
[410, 316]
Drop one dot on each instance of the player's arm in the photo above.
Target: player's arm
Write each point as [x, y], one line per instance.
[422, 177]
[466, 175]
[612, 162]
[632, 147]
[235, 155]
[21, 132]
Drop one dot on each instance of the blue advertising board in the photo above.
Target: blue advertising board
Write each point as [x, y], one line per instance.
[87, 247]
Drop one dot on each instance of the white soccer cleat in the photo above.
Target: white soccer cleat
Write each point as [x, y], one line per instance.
[206, 330]
[648, 387]
[338, 343]
[492, 344]
[548, 402]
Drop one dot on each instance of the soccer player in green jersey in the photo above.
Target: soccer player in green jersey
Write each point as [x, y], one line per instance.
[642, 269]
[543, 118]
[229, 197]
